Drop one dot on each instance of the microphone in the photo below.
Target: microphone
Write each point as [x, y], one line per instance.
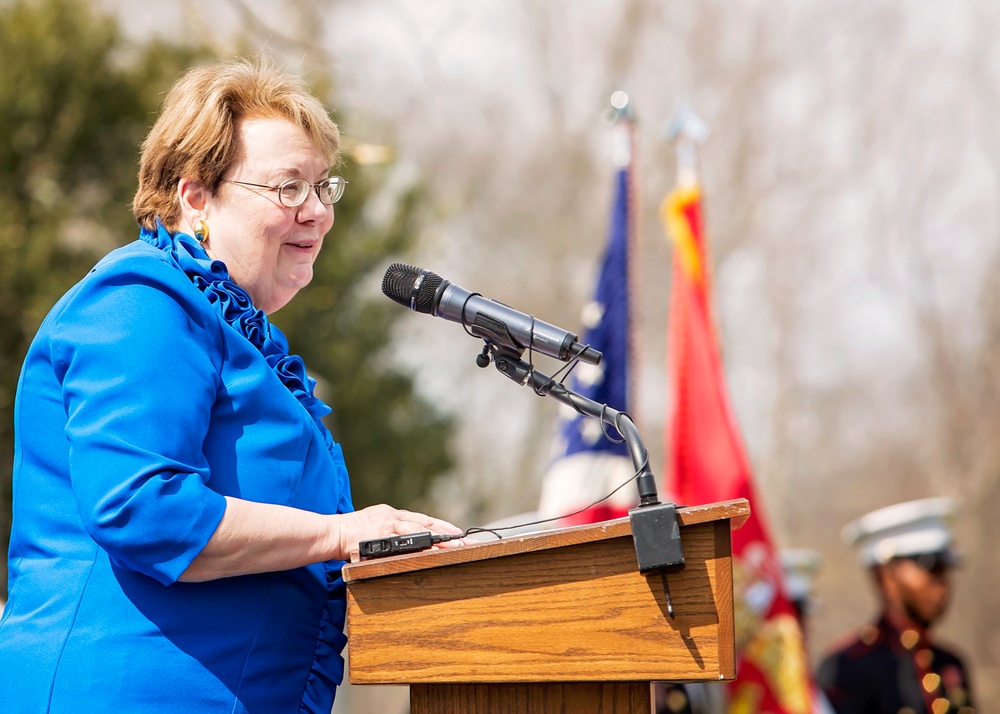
[426, 292]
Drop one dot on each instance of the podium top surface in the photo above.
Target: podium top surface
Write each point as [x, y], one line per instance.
[736, 510]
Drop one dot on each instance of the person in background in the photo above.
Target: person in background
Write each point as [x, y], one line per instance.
[799, 567]
[180, 512]
[893, 665]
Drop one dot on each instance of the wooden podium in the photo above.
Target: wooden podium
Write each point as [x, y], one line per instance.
[557, 621]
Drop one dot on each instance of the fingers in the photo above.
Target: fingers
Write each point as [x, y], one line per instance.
[450, 543]
[434, 525]
[382, 520]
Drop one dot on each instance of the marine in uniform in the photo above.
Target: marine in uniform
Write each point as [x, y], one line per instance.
[893, 666]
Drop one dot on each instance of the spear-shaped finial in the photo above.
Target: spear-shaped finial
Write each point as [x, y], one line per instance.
[687, 131]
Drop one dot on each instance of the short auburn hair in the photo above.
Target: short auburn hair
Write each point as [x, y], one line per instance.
[197, 133]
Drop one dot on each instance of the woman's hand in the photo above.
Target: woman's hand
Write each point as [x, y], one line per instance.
[262, 537]
[381, 521]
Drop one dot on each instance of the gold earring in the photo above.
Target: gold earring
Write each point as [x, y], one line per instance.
[201, 230]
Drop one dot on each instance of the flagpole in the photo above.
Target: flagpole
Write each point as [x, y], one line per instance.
[621, 115]
[585, 465]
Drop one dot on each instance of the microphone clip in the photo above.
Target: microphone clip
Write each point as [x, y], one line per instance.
[509, 363]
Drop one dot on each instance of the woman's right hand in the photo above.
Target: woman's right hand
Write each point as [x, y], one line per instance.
[263, 537]
[382, 521]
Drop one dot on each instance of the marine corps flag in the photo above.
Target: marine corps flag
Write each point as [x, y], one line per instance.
[707, 463]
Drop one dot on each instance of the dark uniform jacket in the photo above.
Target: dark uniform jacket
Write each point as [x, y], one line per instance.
[894, 668]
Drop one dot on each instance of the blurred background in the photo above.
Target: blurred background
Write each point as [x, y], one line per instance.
[852, 202]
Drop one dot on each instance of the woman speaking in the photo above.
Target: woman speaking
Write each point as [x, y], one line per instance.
[181, 514]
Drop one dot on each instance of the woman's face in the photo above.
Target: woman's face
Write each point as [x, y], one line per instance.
[269, 248]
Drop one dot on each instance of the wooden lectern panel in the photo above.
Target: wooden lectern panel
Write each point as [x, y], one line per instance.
[577, 698]
[560, 606]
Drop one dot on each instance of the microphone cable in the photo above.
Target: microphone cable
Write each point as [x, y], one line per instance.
[616, 489]
[416, 542]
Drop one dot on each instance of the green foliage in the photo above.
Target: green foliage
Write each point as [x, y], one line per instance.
[76, 100]
[72, 118]
[72, 114]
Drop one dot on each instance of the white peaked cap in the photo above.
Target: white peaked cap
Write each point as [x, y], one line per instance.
[910, 528]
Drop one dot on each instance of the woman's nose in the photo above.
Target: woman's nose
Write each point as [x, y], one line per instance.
[312, 209]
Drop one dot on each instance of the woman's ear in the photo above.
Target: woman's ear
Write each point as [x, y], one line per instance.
[193, 198]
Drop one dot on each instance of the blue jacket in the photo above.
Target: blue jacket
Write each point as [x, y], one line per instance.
[153, 390]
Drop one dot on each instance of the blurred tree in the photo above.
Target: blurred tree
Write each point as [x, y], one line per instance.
[73, 109]
[76, 100]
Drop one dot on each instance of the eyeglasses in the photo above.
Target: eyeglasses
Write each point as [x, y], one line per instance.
[294, 192]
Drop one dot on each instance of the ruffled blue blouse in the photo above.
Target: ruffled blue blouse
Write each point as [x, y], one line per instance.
[153, 390]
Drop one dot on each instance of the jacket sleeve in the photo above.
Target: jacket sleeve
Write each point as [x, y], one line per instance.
[137, 351]
[843, 685]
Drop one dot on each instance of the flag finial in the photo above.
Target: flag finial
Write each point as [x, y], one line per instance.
[620, 108]
[687, 131]
[621, 115]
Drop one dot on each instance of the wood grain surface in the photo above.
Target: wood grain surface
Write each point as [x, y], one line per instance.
[561, 606]
[581, 698]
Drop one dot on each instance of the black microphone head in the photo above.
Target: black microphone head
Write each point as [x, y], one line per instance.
[411, 287]
[398, 282]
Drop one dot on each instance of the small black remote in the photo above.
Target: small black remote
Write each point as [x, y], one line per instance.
[395, 545]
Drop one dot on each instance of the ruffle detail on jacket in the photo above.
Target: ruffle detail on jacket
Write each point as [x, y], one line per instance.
[327, 670]
[236, 308]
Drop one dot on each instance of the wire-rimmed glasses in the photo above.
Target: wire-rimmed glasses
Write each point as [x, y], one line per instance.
[294, 192]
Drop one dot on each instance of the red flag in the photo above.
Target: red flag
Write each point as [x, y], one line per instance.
[708, 464]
